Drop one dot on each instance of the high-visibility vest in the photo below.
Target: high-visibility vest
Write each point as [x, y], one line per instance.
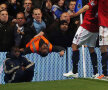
[34, 44]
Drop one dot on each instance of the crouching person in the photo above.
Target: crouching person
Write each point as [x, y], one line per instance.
[17, 68]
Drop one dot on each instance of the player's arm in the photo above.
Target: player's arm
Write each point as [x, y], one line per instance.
[82, 10]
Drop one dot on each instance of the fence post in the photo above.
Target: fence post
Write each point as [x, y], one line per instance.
[84, 64]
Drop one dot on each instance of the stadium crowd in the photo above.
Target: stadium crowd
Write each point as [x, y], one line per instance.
[44, 26]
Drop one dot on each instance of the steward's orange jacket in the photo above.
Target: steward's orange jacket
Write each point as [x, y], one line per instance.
[34, 44]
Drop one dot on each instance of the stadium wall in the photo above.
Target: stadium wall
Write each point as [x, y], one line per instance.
[53, 66]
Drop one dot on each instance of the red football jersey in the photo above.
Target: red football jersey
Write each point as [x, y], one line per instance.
[90, 21]
[103, 12]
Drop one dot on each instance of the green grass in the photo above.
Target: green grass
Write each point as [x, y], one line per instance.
[74, 84]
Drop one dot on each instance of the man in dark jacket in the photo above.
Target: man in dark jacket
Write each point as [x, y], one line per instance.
[17, 68]
[13, 8]
[59, 34]
[6, 32]
[22, 32]
[47, 16]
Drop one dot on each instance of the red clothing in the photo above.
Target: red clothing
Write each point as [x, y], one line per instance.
[103, 12]
[90, 21]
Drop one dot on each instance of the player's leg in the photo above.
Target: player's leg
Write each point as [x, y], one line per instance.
[91, 44]
[104, 55]
[103, 42]
[76, 42]
[75, 58]
[75, 55]
[93, 56]
[84, 37]
[79, 39]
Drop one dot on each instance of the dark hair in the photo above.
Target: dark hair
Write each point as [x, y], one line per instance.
[63, 21]
[21, 13]
[56, 3]
[36, 9]
[72, 0]
[3, 3]
[3, 10]
[24, 1]
[43, 6]
[40, 45]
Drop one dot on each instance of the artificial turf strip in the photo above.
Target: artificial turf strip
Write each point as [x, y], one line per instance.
[74, 84]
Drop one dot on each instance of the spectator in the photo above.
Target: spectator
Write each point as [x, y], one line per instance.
[72, 27]
[17, 68]
[6, 32]
[41, 46]
[37, 3]
[23, 33]
[13, 8]
[56, 35]
[65, 16]
[58, 8]
[3, 6]
[37, 24]
[59, 34]
[28, 6]
[71, 6]
[74, 21]
[19, 2]
[71, 21]
[48, 16]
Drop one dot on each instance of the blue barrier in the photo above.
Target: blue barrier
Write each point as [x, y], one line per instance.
[53, 66]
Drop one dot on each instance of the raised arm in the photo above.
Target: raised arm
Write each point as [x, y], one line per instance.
[82, 10]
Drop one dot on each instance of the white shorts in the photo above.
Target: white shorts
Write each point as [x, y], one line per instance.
[103, 35]
[84, 37]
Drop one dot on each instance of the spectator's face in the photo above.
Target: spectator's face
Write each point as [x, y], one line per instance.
[3, 16]
[3, 7]
[20, 19]
[13, 1]
[61, 3]
[16, 52]
[44, 49]
[65, 16]
[27, 5]
[72, 5]
[48, 4]
[37, 15]
[64, 27]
